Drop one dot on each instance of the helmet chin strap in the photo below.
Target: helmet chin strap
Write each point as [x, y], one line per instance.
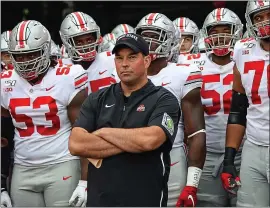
[221, 52]
[89, 56]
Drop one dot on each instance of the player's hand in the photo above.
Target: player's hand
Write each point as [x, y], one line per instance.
[79, 196]
[5, 199]
[229, 177]
[4, 142]
[188, 197]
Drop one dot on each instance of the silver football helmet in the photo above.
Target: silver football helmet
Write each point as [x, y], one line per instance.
[5, 40]
[222, 43]
[200, 48]
[186, 26]
[5, 56]
[55, 50]
[122, 29]
[260, 30]
[78, 24]
[159, 32]
[108, 42]
[29, 37]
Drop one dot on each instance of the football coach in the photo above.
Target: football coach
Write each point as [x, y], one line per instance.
[129, 128]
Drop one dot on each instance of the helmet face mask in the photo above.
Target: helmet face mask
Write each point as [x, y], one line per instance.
[157, 40]
[30, 46]
[158, 31]
[31, 68]
[85, 52]
[255, 11]
[78, 25]
[221, 42]
[5, 56]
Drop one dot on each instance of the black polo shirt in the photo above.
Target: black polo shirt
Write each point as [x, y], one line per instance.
[131, 179]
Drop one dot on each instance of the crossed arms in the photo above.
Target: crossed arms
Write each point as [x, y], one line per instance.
[107, 142]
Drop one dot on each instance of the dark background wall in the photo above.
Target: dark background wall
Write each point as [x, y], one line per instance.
[107, 13]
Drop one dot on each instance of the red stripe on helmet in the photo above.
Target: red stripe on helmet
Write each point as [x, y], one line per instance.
[80, 19]
[111, 36]
[125, 28]
[151, 18]
[22, 33]
[219, 13]
[260, 2]
[181, 24]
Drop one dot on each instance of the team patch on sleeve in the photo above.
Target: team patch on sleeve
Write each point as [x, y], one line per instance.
[80, 80]
[167, 122]
[194, 77]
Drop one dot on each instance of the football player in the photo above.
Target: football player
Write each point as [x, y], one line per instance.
[185, 83]
[122, 29]
[249, 111]
[5, 57]
[221, 29]
[189, 36]
[43, 101]
[81, 36]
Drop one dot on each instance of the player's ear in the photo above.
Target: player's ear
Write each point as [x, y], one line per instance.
[147, 61]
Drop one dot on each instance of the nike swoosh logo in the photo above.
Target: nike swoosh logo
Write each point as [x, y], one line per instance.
[191, 198]
[47, 89]
[174, 163]
[108, 106]
[100, 73]
[67, 177]
[164, 84]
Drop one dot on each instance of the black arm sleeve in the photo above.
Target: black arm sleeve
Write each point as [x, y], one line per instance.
[238, 112]
[166, 115]
[87, 117]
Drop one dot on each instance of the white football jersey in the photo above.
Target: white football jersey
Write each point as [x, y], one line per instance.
[39, 113]
[216, 95]
[180, 80]
[100, 71]
[197, 59]
[253, 65]
[182, 57]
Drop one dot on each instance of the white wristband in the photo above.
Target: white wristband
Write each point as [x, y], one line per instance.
[82, 183]
[193, 177]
